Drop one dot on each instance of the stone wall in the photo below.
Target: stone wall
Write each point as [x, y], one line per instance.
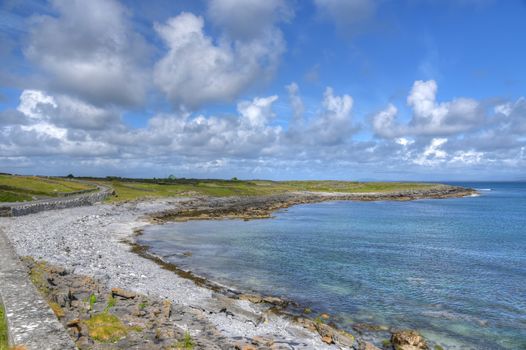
[78, 200]
[31, 322]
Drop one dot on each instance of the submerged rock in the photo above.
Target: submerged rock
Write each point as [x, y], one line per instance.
[408, 340]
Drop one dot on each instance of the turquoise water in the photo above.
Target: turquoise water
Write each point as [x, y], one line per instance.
[453, 268]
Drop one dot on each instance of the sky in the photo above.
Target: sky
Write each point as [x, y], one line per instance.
[428, 90]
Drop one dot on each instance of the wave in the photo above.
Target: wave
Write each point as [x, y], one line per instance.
[483, 189]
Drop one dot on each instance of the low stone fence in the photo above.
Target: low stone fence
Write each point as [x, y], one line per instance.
[30, 321]
[78, 200]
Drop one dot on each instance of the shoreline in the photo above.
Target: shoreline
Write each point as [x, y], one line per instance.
[95, 241]
[262, 207]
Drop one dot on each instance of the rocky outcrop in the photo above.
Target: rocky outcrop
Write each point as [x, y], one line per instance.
[95, 315]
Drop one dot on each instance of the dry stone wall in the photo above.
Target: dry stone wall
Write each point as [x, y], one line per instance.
[78, 200]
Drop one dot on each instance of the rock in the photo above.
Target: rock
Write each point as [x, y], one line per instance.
[166, 309]
[344, 339]
[73, 323]
[252, 298]
[326, 333]
[327, 339]
[124, 294]
[408, 340]
[263, 341]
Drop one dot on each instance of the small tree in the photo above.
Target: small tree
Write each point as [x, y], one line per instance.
[70, 176]
[235, 179]
[171, 177]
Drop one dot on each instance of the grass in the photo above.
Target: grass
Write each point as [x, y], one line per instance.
[24, 188]
[57, 310]
[4, 345]
[37, 276]
[128, 189]
[186, 343]
[111, 303]
[106, 328]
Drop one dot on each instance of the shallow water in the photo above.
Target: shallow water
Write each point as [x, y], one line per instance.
[453, 268]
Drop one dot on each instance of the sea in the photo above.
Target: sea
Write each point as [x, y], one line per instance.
[454, 269]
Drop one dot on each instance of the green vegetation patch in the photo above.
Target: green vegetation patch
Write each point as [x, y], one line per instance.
[4, 337]
[184, 344]
[135, 189]
[106, 328]
[24, 188]
[13, 196]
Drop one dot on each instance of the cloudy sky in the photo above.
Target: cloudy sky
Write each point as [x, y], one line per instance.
[299, 89]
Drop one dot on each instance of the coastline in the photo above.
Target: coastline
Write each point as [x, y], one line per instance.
[95, 241]
[262, 207]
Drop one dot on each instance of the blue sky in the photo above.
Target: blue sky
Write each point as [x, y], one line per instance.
[343, 89]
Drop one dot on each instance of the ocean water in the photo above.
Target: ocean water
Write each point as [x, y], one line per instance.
[455, 269]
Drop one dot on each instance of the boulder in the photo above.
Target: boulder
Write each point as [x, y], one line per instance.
[123, 294]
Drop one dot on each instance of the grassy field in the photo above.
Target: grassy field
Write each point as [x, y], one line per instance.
[3, 329]
[26, 188]
[138, 189]
[20, 188]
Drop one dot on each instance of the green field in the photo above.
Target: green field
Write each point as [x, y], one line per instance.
[3, 329]
[127, 189]
[20, 188]
[26, 188]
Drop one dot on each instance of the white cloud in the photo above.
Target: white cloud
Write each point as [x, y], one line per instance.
[383, 122]
[430, 117]
[196, 70]
[65, 111]
[90, 50]
[331, 126]
[433, 154]
[467, 157]
[404, 141]
[247, 142]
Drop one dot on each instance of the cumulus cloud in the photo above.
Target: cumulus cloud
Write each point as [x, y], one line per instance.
[331, 126]
[433, 153]
[89, 49]
[65, 111]
[430, 117]
[197, 70]
[252, 142]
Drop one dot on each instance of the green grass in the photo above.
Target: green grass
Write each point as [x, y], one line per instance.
[4, 345]
[9, 196]
[127, 190]
[106, 328]
[24, 188]
[186, 343]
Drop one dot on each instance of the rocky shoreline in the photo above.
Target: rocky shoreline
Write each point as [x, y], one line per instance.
[95, 242]
[206, 208]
